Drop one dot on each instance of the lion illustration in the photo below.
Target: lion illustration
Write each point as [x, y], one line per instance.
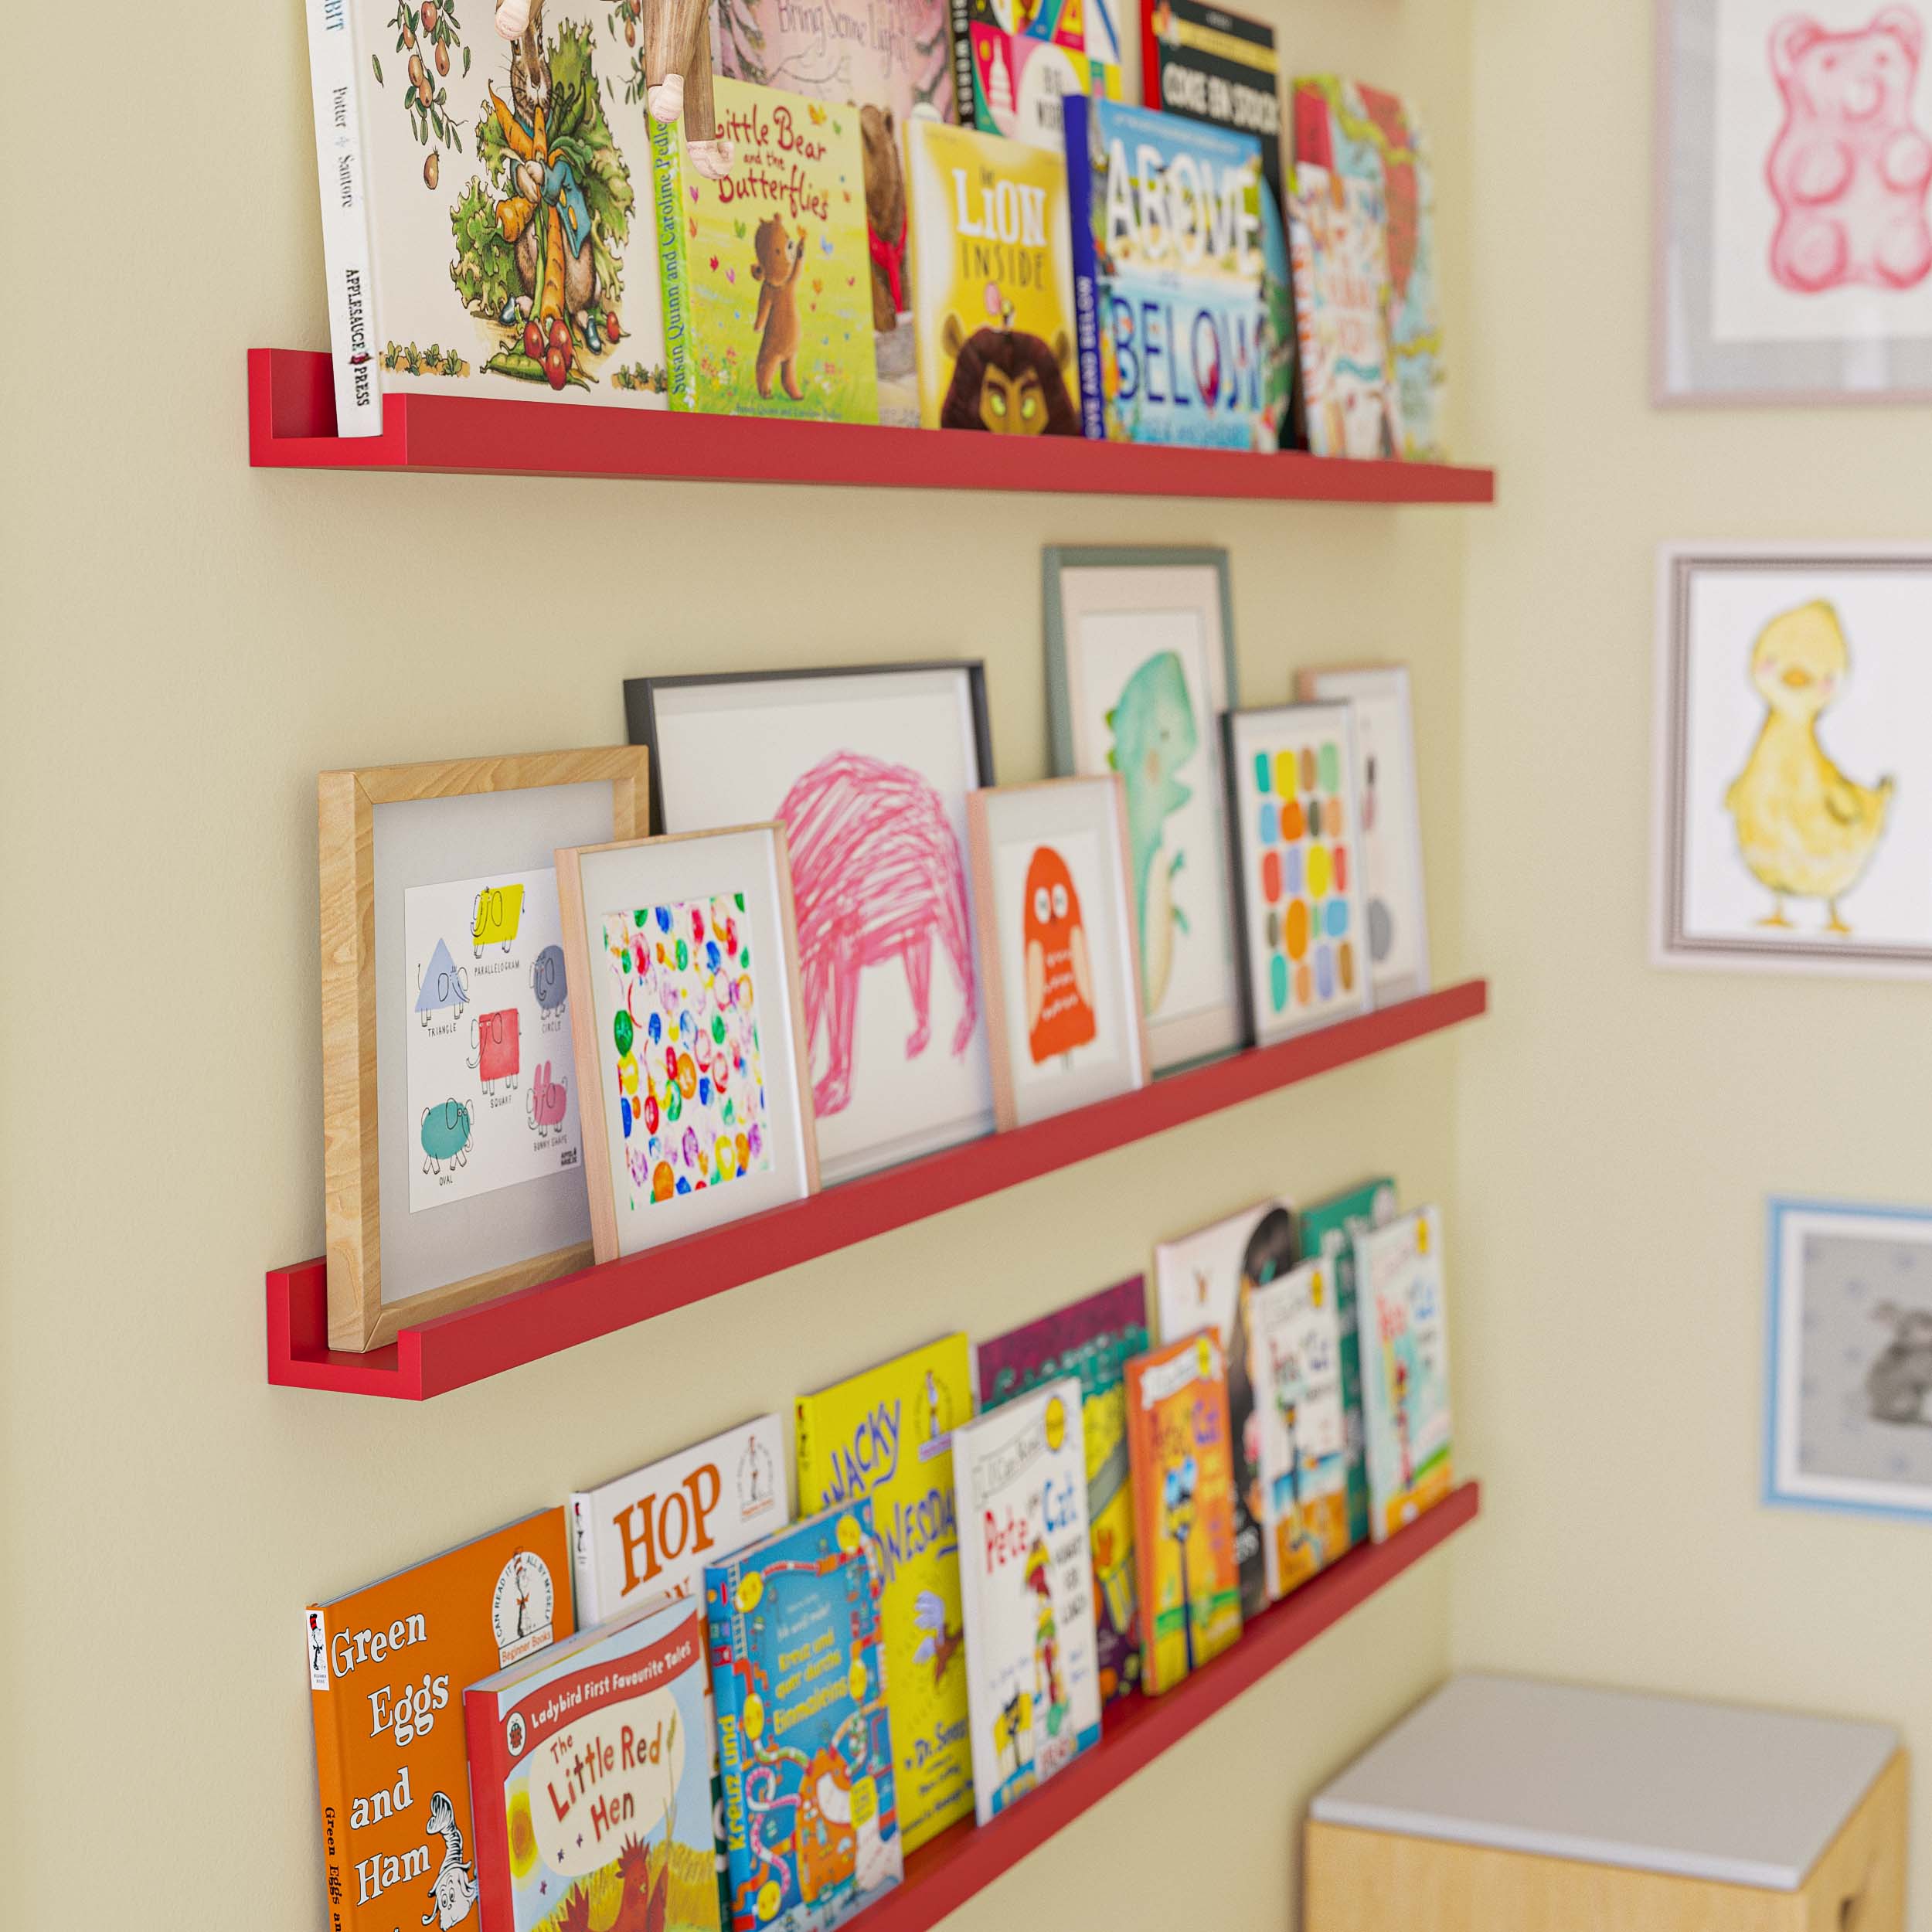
[1008, 382]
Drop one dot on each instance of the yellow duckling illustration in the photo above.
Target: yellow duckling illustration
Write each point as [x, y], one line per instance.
[1804, 829]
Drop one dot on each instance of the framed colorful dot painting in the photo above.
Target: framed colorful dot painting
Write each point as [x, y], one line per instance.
[1293, 798]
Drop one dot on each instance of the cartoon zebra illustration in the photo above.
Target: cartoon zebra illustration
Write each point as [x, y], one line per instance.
[455, 1890]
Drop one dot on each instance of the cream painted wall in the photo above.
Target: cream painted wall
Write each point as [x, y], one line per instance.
[188, 642]
[1619, 1127]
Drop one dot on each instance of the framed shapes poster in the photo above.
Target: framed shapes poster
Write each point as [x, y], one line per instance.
[1850, 1359]
[1388, 830]
[868, 769]
[690, 1048]
[1140, 665]
[1794, 254]
[1057, 956]
[452, 1148]
[1793, 808]
[1297, 872]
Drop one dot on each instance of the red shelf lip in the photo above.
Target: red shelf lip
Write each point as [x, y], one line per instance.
[941, 1876]
[291, 425]
[473, 1344]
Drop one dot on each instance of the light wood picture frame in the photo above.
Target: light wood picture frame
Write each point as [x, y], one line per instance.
[387, 833]
[683, 956]
[1057, 956]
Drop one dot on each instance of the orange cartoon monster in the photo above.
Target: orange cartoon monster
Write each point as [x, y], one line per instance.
[1059, 973]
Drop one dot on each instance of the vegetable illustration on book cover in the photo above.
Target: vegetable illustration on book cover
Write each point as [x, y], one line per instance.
[591, 1766]
[1093, 1339]
[1177, 1420]
[1329, 1229]
[887, 1435]
[1167, 271]
[992, 270]
[804, 1744]
[1209, 1279]
[387, 1669]
[1016, 64]
[1032, 1671]
[766, 274]
[1294, 1351]
[1405, 1368]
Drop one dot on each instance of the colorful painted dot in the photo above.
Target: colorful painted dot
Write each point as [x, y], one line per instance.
[1284, 774]
[624, 1030]
[1319, 872]
[1341, 869]
[1332, 817]
[1345, 959]
[1331, 768]
[1303, 984]
[656, 1028]
[1307, 768]
[1263, 774]
[1335, 916]
[1278, 981]
[687, 1075]
[1274, 931]
[661, 1181]
[1271, 822]
[673, 1102]
[1292, 823]
[624, 1106]
[1314, 818]
[1270, 875]
[663, 918]
[1324, 972]
[1295, 928]
[1291, 869]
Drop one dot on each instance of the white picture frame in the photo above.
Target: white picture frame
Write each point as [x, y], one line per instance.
[1388, 813]
[1056, 950]
[1848, 1358]
[1742, 809]
[1156, 626]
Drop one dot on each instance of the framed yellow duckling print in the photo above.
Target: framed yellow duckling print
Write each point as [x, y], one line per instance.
[1794, 758]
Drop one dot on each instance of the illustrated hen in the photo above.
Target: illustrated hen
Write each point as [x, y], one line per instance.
[643, 1907]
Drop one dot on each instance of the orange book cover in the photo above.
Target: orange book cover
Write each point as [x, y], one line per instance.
[387, 1669]
[1183, 1471]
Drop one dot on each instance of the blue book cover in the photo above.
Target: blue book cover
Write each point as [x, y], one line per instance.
[1169, 233]
[804, 1748]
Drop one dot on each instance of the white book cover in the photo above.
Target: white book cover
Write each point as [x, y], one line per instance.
[1295, 1366]
[1026, 1588]
[1405, 1367]
[651, 1533]
[509, 245]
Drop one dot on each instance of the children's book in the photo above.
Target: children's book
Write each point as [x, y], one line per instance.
[1094, 1339]
[811, 1828]
[590, 1769]
[1405, 1368]
[1168, 277]
[1017, 62]
[767, 273]
[1366, 134]
[1329, 1229]
[1177, 1433]
[485, 206]
[887, 1435]
[1206, 63]
[387, 1667]
[1294, 1355]
[1207, 1279]
[993, 280]
[1033, 1669]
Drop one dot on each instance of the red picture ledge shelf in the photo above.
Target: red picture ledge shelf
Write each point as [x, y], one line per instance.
[941, 1876]
[473, 1344]
[291, 425]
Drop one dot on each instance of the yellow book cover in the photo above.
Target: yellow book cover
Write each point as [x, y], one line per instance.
[887, 1434]
[993, 278]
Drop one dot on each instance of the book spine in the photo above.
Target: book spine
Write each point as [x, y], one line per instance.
[807, 1467]
[488, 1769]
[583, 1567]
[1075, 110]
[720, 1592]
[965, 99]
[679, 361]
[1152, 54]
[332, 1781]
[335, 69]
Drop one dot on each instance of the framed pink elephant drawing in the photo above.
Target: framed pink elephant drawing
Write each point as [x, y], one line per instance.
[868, 769]
[1794, 201]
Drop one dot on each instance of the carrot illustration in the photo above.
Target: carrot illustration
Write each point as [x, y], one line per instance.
[550, 294]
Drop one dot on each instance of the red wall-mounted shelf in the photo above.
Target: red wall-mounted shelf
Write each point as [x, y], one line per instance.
[473, 1344]
[291, 425]
[941, 1876]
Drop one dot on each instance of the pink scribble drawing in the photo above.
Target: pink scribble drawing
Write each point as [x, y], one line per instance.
[548, 1098]
[498, 1045]
[876, 871]
[1848, 171]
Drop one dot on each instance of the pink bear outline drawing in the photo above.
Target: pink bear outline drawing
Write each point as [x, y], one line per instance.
[1848, 171]
[876, 873]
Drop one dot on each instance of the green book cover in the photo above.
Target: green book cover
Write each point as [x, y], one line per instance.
[766, 274]
[1329, 1229]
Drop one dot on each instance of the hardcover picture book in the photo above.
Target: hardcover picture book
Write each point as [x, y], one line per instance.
[1294, 1351]
[1016, 65]
[486, 209]
[1405, 1367]
[1168, 275]
[798, 1677]
[767, 274]
[387, 1669]
[1032, 1671]
[993, 278]
[1327, 1230]
[1093, 1339]
[1177, 1424]
[887, 1436]
[590, 1768]
[1207, 1280]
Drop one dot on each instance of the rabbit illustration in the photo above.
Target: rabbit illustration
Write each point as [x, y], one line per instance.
[1896, 1382]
